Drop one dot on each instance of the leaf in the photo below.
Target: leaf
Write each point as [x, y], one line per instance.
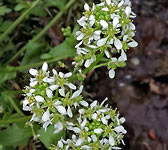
[21, 6]
[48, 137]
[39, 11]
[33, 52]
[4, 10]
[15, 136]
[5, 25]
[56, 3]
[6, 73]
[62, 51]
[5, 103]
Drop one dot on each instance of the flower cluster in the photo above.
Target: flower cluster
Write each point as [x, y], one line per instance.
[51, 98]
[106, 28]
[98, 127]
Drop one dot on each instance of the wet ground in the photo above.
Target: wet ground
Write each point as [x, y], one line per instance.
[140, 91]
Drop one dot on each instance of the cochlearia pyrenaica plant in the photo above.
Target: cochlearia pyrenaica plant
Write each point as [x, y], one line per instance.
[52, 97]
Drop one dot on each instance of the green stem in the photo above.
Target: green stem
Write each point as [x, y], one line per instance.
[16, 107]
[38, 36]
[23, 16]
[21, 68]
[100, 65]
[15, 120]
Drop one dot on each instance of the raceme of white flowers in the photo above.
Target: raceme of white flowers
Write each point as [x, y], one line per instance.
[51, 98]
[107, 30]
[98, 127]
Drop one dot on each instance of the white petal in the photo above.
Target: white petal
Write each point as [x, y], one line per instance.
[93, 104]
[105, 9]
[104, 24]
[78, 142]
[128, 11]
[46, 116]
[111, 140]
[59, 127]
[120, 129]
[39, 99]
[86, 7]
[101, 42]
[71, 86]
[94, 116]
[67, 75]
[79, 44]
[107, 54]
[103, 119]
[60, 144]
[53, 87]
[61, 110]
[115, 22]
[62, 92]
[57, 103]
[88, 63]
[69, 112]
[80, 37]
[104, 101]
[45, 67]
[76, 130]
[112, 73]
[84, 123]
[132, 26]
[123, 56]
[122, 120]
[32, 84]
[54, 72]
[133, 44]
[33, 72]
[108, 2]
[94, 138]
[125, 37]
[98, 131]
[121, 3]
[118, 44]
[49, 93]
[81, 111]
[84, 103]
[77, 93]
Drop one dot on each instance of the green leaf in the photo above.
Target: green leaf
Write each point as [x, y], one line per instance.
[15, 136]
[4, 10]
[6, 73]
[55, 3]
[33, 52]
[21, 6]
[48, 137]
[39, 11]
[5, 25]
[62, 51]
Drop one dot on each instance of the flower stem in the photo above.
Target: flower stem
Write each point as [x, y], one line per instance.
[38, 36]
[15, 106]
[23, 16]
[15, 120]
